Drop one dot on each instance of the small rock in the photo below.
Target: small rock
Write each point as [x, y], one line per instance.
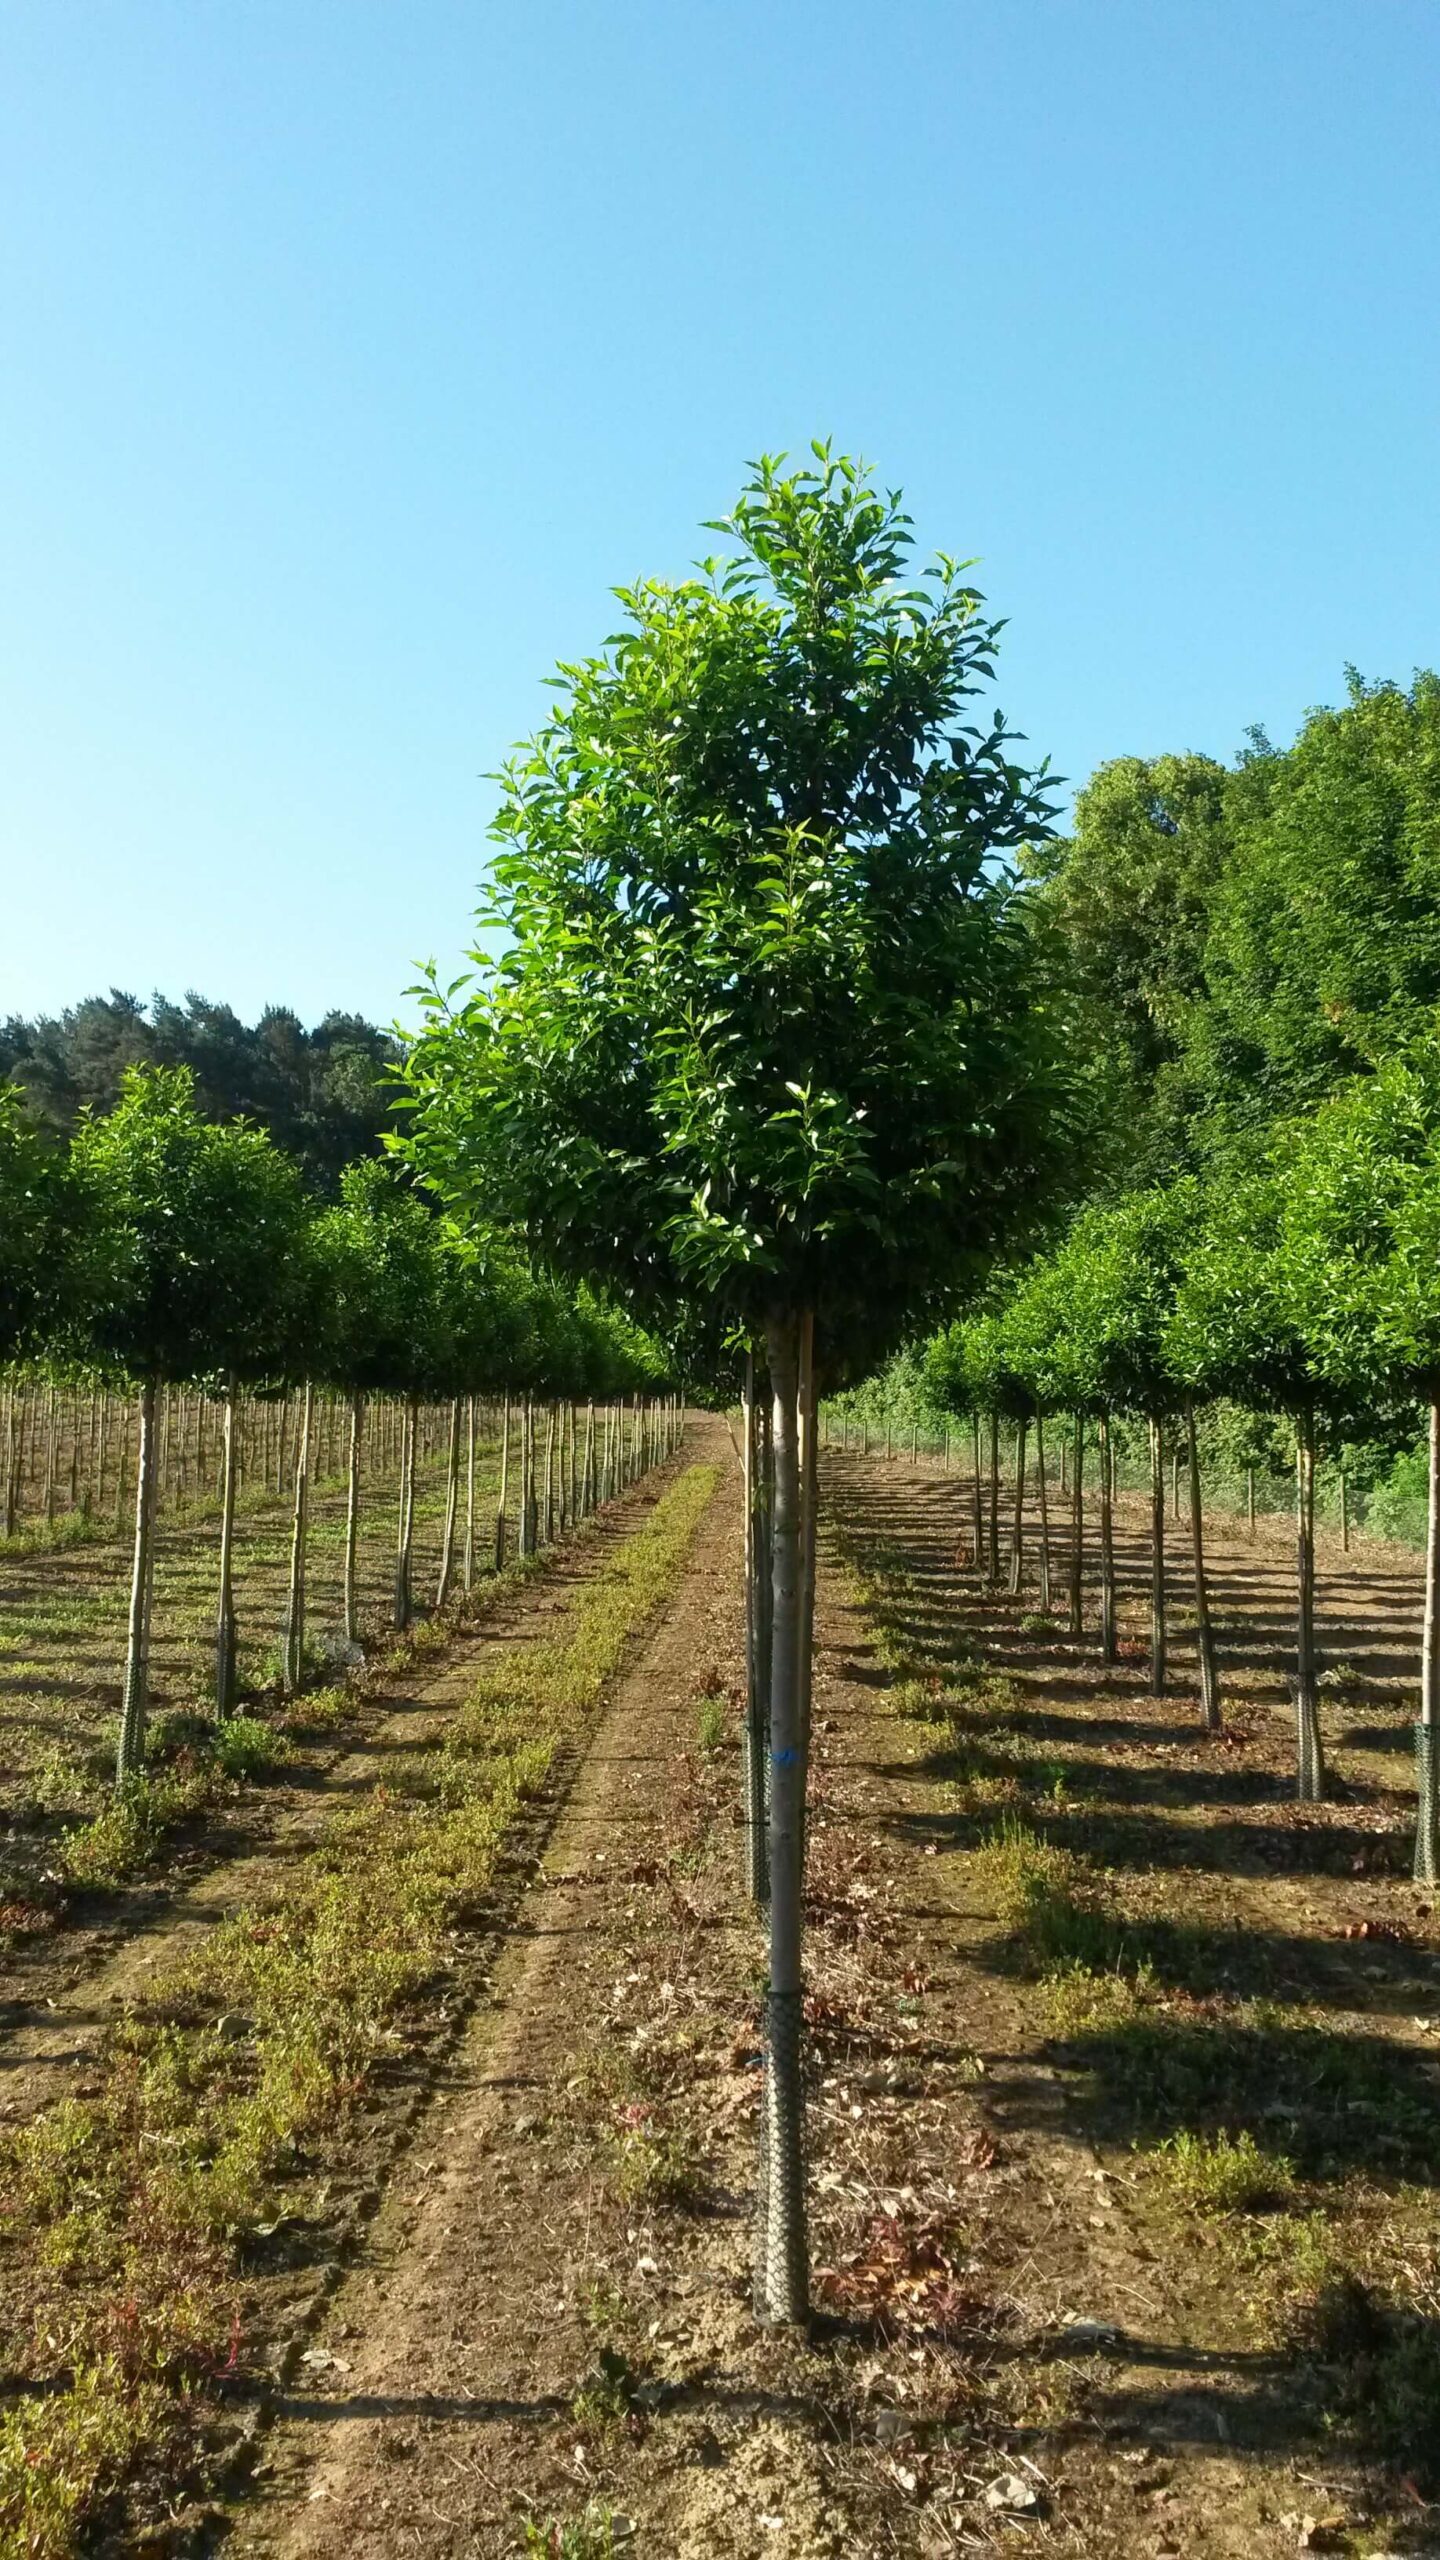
[1012, 2496]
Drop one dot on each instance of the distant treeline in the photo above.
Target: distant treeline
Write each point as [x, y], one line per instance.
[323, 1095]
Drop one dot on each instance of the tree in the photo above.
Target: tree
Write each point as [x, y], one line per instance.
[1132, 890]
[767, 1025]
[1360, 1232]
[35, 1234]
[198, 1230]
[1323, 954]
[1240, 1328]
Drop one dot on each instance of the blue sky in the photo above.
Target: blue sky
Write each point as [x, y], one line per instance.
[353, 349]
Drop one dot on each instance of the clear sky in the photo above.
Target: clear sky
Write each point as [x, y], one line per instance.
[351, 350]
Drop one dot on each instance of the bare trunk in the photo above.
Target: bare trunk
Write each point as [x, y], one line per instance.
[1204, 1633]
[295, 1616]
[992, 1560]
[1427, 1825]
[1042, 1491]
[1107, 1541]
[405, 1526]
[1017, 1530]
[452, 1507]
[782, 2291]
[978, 1490]
[809, 1516]
[501, 1523]
[1157, 1559]
[1310, 1756]
[135, 1695]
[225, 1611]
[756, 1741]
[469, 1568]
[1077, 1533]
[352, 1522]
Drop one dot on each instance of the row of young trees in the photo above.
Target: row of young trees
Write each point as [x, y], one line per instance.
[170, 1251]
[1306, 1284]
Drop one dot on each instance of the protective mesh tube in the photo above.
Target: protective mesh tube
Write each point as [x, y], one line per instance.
[1309, 1751]
[1427, 1822]
[781, 2286]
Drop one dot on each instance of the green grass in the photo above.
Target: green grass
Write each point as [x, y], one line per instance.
[1223, 2172]
[590, 2536]
[126, 2218]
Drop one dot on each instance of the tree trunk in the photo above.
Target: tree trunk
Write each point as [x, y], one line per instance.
[502, 1497]
[469, 1568]
[225, 1612]
[1044, 1498]
[550, 1423]
[352, 1522]
[1107, 1540]
[978, 1489]
[135, 1695]
[992, 1562]
[295, 1617]
[405, 1527]
[1250, 1500]
[1204, 1633]
[10, 1490]
[809, 1522]
[1157, 1559]
[756, 1739]
[1077, 1532]
[782, 2271]
[587, 1470]
[1017, 1530]
[1427, 1826]
[1310, 1756]
[452, 1507]
[1344, 1511]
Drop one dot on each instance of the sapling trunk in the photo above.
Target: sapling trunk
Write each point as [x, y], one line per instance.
[1157, 1559]
[469, 1568]
[1310, 1756]
[756, 1738]
[225, 1610]
[781, 2287]
[135, 1694]
[1427, 1825]
[1077, 1532]
[502, 1497]
[405, 1527]
[809, 1521]
[1017, 1531]
[352, 1522]
[1044, 1499]
[452, 1507]
[550, 1422]
[992, 1565]
[11, 1454]
[978, 1491]
[1344, 1511]
[1204, 1632]
[1107, 1540]
[587, 1470]
[1250, 1500]
[295, 1617]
